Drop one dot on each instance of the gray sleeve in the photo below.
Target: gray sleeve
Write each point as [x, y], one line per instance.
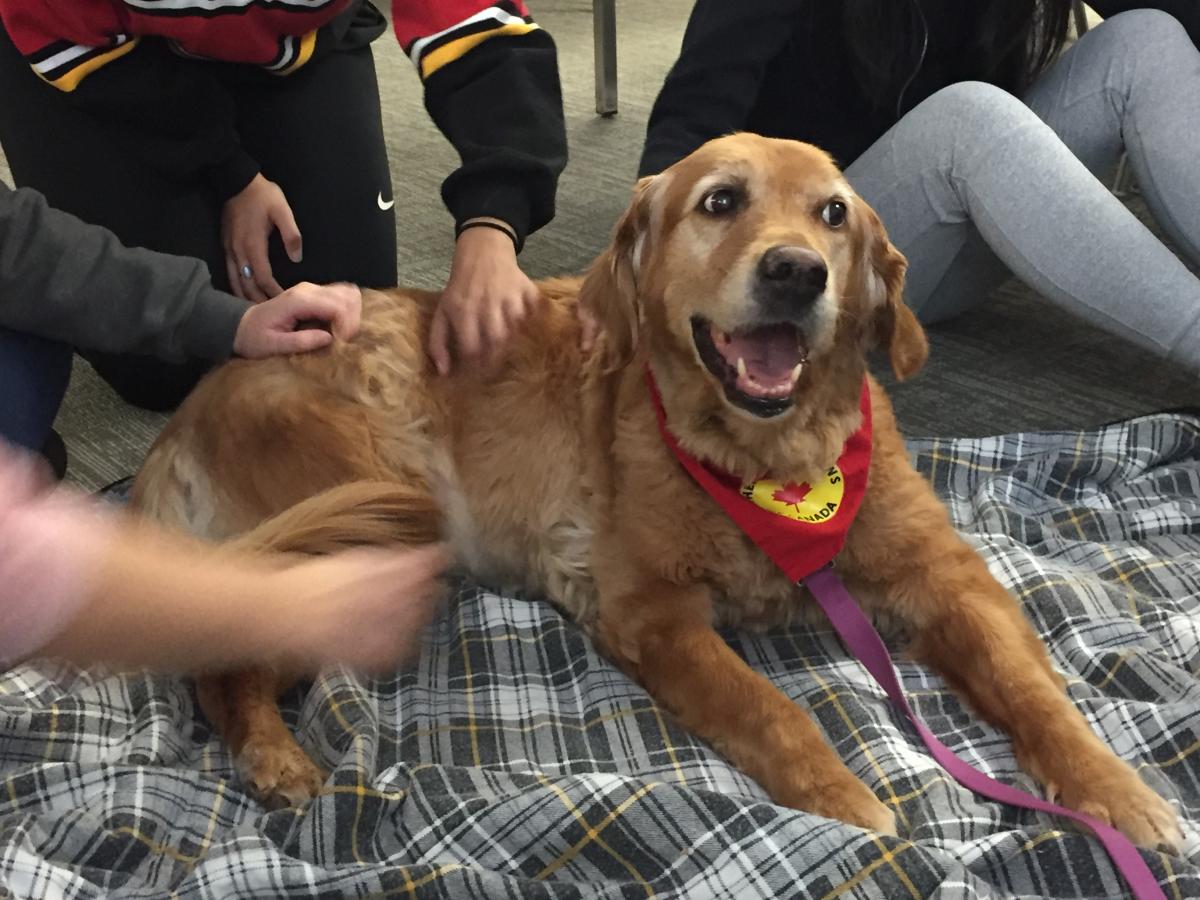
[68, 281]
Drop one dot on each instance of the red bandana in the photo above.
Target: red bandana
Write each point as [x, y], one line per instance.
[801, 527]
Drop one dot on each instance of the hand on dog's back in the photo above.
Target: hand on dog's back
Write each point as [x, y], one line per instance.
[276, 327]
[484, 303]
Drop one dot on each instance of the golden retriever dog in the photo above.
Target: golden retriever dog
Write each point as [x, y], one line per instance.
[752, 281]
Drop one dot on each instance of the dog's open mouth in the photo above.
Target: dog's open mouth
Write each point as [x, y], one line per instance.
[758, 367]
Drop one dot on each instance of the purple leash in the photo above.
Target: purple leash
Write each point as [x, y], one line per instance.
[861, 638]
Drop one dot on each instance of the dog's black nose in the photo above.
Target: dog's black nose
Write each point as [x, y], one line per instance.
[795, 269]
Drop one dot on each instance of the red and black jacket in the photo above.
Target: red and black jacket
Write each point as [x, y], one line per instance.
[490, 76]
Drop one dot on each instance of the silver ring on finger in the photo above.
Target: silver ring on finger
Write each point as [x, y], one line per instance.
[245, 271]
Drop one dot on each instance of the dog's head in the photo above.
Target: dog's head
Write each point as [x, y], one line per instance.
[754, 262]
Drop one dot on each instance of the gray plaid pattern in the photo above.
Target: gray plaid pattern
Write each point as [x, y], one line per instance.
[513, 761]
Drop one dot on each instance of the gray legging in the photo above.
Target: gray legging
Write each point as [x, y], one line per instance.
[974, 184]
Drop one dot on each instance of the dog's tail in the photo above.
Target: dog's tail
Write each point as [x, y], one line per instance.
[361, 513]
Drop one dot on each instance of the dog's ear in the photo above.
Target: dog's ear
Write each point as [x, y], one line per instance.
[609, 295]
[895, 327]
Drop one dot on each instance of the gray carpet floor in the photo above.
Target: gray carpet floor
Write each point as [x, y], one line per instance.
[1015, 363]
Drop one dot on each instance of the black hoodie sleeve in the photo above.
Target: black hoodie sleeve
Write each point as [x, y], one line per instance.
[714, 84]
[142, 95]
[492, 88]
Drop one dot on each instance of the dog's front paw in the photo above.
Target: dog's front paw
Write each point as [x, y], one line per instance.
[1121, 799]
[279, 775]
[846, 799]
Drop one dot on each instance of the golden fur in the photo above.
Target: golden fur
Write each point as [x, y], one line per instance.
[550, 474]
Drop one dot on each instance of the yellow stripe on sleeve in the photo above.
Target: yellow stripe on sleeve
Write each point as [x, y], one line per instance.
[69, 80]
[307, 44]
[451, 51]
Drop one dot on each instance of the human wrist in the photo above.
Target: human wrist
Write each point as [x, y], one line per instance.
[495, 195]
[487, 225]
[241, 332]
[225, 609]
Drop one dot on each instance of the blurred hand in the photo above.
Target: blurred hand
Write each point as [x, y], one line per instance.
[22, 477]
[247, 221]
[365, 608]
[268, 329]
[483, 303]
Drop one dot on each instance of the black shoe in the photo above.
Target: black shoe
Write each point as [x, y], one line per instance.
[55, 453]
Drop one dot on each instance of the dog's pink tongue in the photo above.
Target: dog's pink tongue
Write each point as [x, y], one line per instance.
[770, 352]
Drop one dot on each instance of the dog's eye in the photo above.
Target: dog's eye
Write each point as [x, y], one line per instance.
[719, 202]
[834, 213]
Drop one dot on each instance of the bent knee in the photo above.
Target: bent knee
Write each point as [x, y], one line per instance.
[1139, 47]
[972, 99]
[1150, 32]
[970, 110]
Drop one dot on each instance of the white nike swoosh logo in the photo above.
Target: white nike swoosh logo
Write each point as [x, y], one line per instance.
[385, 205]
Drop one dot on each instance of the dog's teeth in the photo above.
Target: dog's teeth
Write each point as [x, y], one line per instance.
[796, 371]
[741, 367]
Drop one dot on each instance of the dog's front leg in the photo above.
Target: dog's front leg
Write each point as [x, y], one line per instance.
[242, 706]
[903, 551]
[662, 634]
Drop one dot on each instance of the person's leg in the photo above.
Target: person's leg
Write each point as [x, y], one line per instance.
[319, 135]
[1133, 84]
[92, 170]
[33, 379]
[973, 159]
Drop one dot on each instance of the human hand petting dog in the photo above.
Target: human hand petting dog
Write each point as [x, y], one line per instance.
[86, 584]
[162, 603]
[363, 608]
[158, 601]
[247, 220]
[483, 303]
[269, 328]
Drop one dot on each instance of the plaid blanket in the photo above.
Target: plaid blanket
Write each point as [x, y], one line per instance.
[513, 761]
